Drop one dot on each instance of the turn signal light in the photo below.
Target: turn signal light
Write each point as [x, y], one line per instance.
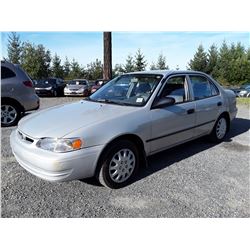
[76, 144]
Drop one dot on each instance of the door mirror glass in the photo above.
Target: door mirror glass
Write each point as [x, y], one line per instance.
[163, 102]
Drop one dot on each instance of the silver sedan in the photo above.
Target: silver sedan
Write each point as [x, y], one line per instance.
[110, 134]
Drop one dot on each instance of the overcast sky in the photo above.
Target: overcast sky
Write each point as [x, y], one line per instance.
[178, 47]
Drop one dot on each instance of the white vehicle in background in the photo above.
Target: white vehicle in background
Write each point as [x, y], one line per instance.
[79, 87]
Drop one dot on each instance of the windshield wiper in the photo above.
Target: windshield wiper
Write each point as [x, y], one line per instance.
[110, 101]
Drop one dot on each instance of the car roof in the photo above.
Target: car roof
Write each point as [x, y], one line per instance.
[166, 72]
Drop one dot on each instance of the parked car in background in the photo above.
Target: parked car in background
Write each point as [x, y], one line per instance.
[50, 87]
[245, 92]
[243, 86]
[236, 91]
[77, 87]
[109, 134]
[17, 94]
[98, 83]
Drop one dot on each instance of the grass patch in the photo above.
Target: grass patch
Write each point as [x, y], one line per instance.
[243, 101]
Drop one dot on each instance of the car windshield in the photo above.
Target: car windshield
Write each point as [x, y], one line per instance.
[131, 89]
[47, 81]
[77, 82]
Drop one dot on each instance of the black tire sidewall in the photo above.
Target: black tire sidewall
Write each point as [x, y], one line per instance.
[104, 164]
[213, 135]
[18, 110]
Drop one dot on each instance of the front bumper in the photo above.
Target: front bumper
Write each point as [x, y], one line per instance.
[55, 166]
[76, 93]
[44, 92]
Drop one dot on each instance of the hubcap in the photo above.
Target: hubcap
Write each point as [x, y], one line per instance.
[122, 165]
[221, 128]
[8, 114]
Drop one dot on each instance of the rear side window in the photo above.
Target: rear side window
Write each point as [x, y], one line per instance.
[6, 73]
[202, 87]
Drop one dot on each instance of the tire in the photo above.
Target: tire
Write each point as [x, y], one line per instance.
[119, 165]
[55, 94]
[220, 130]
[10, 114]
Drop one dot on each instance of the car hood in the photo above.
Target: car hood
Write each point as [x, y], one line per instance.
[70, 87]
[61, 120]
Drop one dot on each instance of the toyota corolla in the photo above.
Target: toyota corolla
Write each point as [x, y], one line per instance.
[110, 134]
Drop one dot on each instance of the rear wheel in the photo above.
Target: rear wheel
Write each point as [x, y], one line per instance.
[119, 165]
[220, 129]
[10, 114]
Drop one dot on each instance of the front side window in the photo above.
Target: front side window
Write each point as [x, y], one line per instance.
[132, 89]
[6, 73]
[202, 87]
[176, 87]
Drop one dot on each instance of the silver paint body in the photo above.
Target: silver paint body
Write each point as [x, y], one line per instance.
[99, 124]
[14, 88]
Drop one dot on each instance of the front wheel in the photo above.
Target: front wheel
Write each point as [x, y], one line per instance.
[10, 114]
[119, 165]
[220, 129]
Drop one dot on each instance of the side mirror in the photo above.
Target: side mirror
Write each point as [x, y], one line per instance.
[163, 102]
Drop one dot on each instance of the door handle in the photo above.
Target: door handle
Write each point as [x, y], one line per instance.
[190, 111]
[219, 103]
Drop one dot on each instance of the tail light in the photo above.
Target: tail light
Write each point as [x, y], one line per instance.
[28, 84]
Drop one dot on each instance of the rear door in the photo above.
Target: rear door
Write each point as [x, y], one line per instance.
[173, 124]
[207, 103]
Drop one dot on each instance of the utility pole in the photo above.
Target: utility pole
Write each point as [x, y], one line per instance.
[107, 55]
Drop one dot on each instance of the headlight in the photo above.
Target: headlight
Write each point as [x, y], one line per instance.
[49, 88]
[60, 145]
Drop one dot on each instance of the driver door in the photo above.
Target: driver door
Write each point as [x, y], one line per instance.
[173, 124]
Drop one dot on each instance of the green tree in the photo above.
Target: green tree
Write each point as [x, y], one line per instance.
[199, 61]
[153, 66]
[57, 68]
[129, 66]
[161, 63]
[14, 48]
[222, 65]
[140, 62]
[212, 61]
[66, 68]
[75, 70]
[118, 70]
[36, 60]
[94, 70]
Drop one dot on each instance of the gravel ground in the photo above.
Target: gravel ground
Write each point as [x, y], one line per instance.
[197, 179]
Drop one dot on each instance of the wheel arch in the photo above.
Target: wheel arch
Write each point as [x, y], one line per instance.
[130, 137]
[227, 116]
[13, 101]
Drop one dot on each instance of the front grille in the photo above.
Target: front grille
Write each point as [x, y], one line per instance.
[24, 137]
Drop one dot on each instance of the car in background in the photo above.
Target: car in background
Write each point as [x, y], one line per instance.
[17, 94]
[109, 134]
[49, 87]
[77, 87]
[245, 92]
[236, 91]
[98, 84]
[243, 86]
